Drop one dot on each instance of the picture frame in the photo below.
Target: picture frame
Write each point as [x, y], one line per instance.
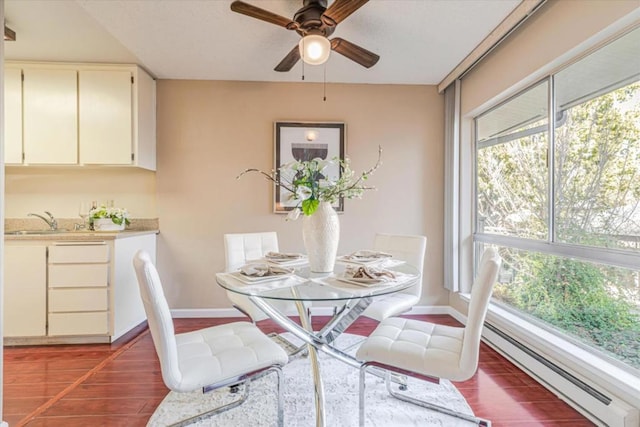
[305, 141]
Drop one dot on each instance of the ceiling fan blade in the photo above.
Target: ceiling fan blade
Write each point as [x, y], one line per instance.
[289, 61]
[264, 15]
[354, 52]
[340, 9]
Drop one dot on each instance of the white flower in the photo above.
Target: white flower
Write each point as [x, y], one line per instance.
[117, 215]
[313, 181]
[303, 192]
[293, 165]
[293, 215]
[323, 164]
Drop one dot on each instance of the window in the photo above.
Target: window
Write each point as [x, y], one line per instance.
[512, 141]
[558, 191]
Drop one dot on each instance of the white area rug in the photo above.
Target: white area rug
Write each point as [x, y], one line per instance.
[341, 400]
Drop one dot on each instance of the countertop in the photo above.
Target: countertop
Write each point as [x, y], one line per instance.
[138, 226]
[80, 236]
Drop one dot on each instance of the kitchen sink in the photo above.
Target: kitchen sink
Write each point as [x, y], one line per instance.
[32, 232]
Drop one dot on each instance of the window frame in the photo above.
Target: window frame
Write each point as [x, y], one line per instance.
[601, 255]
[551, 246]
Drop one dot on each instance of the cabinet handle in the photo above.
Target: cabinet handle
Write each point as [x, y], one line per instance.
[78, 243]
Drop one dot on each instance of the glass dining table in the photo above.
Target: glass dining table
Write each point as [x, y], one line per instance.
[348, 297]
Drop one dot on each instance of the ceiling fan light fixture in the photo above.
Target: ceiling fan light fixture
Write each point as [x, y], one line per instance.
[314, 49]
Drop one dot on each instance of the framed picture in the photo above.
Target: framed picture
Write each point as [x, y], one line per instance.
[303, 142]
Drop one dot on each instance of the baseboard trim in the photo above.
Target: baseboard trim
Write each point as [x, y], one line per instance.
[185, 313]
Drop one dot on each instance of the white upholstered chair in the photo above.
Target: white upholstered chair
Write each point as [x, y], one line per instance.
[429, 351]
[240, 248]
[410, 249]
[209, 358]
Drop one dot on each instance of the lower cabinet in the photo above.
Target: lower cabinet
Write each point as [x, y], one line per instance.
[78, 289]
[25, 290]
[126, 303]
[78, 323]
[81, 291]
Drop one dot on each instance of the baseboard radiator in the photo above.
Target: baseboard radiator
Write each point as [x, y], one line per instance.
[594, 404]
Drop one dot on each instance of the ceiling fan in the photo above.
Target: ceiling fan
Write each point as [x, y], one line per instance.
[315, 22]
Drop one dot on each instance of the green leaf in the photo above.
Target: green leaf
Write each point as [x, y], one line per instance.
[309, 206]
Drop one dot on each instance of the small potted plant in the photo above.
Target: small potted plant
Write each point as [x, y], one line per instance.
[102, 218]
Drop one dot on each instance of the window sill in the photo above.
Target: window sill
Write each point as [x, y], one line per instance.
[572, 358]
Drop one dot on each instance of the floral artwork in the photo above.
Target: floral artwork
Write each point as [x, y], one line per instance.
[303, 142]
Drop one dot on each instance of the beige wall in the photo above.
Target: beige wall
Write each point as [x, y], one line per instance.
[561, 31]
[61, 189]
[556, 34]
[208, 132]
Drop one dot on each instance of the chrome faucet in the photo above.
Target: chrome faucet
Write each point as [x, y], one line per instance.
[51, 221]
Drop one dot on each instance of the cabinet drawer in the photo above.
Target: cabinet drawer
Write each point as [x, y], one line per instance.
[61, 300]
[78, 254]
[78, 275]
[96, 323]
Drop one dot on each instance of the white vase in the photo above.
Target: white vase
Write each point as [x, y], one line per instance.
[321, 233]
[106, 224]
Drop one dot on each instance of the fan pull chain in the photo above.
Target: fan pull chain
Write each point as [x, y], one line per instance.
[324, 85]
[303, 49]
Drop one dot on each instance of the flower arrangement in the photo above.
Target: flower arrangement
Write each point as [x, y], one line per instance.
[117, 215]
[308, 184]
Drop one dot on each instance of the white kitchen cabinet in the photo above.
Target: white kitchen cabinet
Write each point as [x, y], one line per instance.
[86, 114]
[78, 323]
[25, 290]
[75, 300]
[50, 116]
[78, 288]
[117, 116]
[73, 291]
[128, 310]
[12, 115]
[105, 119]
[144, 120]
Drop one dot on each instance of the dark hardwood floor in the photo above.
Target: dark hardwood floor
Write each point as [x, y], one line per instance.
[121, 385]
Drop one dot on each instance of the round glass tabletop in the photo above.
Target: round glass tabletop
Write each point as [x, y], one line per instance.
[303, 285]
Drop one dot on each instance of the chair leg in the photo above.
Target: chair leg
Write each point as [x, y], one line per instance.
[212, 412]
[363, 372]
[434, 407]
[280, 397]
[208, 414]
[387, 375]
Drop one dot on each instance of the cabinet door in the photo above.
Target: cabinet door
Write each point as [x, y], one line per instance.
[144, 120]
[50, 116]
[25, 290]
[89, 323]
[105, 122]
[127, 307]
[13, 115]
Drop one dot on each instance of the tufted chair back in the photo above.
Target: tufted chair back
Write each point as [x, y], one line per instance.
[159, 318]
[410, 249]
[478, 304]
[243, 247]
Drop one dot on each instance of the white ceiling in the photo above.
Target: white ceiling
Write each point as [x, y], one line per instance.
[419, 41]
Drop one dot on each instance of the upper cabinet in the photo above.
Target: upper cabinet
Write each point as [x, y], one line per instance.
[13, 116]
[50, 113]
[105, 122]
[83, 114]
